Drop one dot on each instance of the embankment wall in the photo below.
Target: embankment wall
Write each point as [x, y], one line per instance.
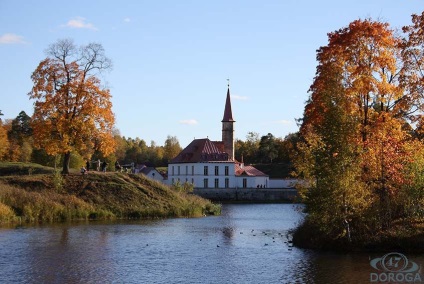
[249, 194]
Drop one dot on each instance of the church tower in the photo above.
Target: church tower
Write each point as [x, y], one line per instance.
[228, 127]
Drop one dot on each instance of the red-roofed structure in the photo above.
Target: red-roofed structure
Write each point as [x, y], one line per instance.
[211, 164]
[242, 170]
[201, 150]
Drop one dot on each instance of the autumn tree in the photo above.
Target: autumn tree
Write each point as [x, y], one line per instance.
[72, 110]
[134, 151]
[328, 161]
[412, 73]
[353, 148]
[286, 147]
[4, 142]
[171, 148]
[120, 148]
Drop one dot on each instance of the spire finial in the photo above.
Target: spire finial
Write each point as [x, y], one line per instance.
[228, 82]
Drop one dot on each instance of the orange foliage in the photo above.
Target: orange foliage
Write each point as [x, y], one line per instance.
[412, 73]
[359, 107]
[72, 111]
[4, 142]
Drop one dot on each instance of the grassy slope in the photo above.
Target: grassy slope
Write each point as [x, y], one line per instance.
[38, 196]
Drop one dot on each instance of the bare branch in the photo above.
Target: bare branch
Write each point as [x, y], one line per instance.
[92, 57]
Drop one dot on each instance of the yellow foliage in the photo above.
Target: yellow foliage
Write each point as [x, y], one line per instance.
[4, 142]
[72, 112]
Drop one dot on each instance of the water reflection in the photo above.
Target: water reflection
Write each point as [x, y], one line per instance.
[68, 255]
[247, 244]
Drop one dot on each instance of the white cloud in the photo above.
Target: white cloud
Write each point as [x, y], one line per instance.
[240, 98]
[188, 122]
[80, 23]
[127, 20]
[11, 39]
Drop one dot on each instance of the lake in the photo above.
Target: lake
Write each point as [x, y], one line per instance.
[248, 243]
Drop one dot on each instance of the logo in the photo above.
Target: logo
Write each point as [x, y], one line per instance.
[395, 267]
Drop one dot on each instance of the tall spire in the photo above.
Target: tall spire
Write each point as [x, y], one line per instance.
[228, 127]
[228, 114]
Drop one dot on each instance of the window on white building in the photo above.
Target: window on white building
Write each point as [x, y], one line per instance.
[173, 170]
[216, 183]
[216, 170]
[226, 170]
[244, 182]
[205, 170]
[205, 183]
[227, 183]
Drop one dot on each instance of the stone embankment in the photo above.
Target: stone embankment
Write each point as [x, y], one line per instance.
[249, 194]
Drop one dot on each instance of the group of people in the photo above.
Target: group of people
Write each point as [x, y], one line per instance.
[100, 166]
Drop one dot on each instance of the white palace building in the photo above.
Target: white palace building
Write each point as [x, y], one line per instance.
[211, 164]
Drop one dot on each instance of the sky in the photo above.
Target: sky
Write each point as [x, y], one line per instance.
[171, 59]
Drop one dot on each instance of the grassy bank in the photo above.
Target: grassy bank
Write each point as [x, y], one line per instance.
[32, 193]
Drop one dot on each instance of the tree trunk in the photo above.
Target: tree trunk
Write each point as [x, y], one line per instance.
[66, 160]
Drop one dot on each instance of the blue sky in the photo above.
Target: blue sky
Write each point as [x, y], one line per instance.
[172, 58]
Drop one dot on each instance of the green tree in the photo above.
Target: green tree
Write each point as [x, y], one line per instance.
[248, 150]
[41, 157]
[268, 148]
[20, 137]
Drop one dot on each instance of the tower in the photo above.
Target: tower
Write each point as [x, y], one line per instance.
[228, 127]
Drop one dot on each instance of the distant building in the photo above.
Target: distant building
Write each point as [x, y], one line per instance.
[211, 164]
[152, 173]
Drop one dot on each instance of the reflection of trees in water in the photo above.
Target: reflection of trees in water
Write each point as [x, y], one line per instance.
[228, 232]
[69, 254]
[64, 237]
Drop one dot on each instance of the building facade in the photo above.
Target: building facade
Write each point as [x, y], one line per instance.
[211, 164]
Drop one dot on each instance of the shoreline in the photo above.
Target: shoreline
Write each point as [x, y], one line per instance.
[49, 198]
[398, 239]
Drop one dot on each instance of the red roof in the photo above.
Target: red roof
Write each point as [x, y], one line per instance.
[228, 114]
[201, 150]
[248, 171]
[219, 145]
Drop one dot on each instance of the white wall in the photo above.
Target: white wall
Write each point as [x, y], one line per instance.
[155, 175]
[194, 173]
[252, 182]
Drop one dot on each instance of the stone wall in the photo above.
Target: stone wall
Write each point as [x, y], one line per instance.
[249, 195]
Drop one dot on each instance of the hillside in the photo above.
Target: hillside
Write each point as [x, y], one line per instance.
[32, 193]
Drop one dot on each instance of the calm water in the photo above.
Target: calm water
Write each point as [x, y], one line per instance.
[247, 244]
